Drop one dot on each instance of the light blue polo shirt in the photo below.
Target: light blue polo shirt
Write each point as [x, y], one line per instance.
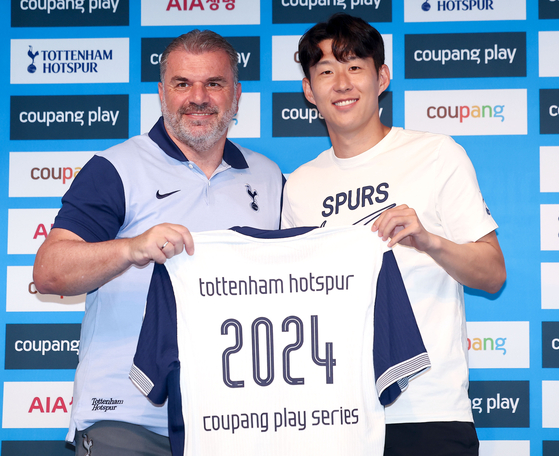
[121, 193]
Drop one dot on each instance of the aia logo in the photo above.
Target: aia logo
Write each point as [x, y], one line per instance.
[48, 405]
[41, 230]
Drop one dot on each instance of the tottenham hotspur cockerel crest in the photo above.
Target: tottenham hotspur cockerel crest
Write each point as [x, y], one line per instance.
[253, 195]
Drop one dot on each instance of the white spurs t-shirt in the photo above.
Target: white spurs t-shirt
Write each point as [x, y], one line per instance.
[434, 176]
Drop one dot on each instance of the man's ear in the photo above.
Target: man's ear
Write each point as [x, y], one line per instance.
[238, 92]
[307, 90]
[383, 78]
[160, 90]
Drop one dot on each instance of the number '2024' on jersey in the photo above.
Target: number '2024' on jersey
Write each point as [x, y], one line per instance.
[278, 343]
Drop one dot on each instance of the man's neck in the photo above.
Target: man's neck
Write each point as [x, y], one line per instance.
[207, 160]
[350, 144]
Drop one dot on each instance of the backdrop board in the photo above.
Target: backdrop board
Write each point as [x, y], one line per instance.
[82, 76]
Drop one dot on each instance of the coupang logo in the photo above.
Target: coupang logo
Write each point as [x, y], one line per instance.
[63, 174]
[499, 345]
[468, 112]
[464, 112]
[488, 344]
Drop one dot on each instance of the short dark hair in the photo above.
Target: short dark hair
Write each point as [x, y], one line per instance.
[198, 42]
[351, 36]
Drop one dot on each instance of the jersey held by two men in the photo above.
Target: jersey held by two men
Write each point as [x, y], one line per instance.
[278, 342]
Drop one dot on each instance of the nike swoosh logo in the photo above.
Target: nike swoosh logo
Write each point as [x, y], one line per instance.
[160, 196]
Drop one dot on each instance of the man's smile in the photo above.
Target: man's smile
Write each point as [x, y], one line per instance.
[345, 102]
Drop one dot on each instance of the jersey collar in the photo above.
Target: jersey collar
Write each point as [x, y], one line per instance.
[231, 153]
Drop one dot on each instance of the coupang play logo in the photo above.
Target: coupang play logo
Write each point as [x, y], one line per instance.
[465, 55]
[78, 13]
[312, 11]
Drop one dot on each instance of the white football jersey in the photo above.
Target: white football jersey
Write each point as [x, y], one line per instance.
[286, 344]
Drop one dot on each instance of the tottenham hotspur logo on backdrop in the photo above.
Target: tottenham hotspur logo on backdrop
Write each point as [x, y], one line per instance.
[32, 68]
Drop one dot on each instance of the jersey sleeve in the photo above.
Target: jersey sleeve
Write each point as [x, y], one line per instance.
[286, 210]
[94, 205]
[398, 350]
[156, 360]
[464, 214]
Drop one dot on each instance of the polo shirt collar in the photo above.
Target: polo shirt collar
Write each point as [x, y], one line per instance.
[231, 153]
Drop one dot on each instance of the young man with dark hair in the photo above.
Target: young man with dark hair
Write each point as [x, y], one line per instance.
[420, 191]
[127, 209]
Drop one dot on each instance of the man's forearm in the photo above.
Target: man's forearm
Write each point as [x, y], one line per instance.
[477, 265]
[67, 265]
[72, 267]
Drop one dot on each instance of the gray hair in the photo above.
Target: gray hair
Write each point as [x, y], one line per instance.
[198, 42]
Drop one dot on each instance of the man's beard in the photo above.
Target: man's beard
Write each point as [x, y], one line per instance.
[185, 132]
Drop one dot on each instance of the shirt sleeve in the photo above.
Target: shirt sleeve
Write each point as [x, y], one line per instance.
[94, 205]
[156, 360]
[286, 210]
[398, 350]
[463, 212]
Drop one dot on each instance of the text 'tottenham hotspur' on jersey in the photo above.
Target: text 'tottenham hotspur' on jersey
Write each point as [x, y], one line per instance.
[278, 346]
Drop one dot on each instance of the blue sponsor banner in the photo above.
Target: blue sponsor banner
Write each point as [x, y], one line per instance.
[61, 115]
[247, 47]
[549, 111]
[69, 117]
[42, 346]
[76, 13]
[503, 404]
[312, 11]
[550, 344]
[548, 9]
[36, 447]
[550, 448]
[294, 116]
[465, 55]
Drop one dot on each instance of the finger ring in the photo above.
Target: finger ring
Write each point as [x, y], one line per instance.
[164, 245]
